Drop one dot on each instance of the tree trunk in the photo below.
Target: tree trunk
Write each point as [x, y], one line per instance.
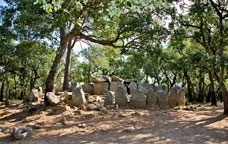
[225, 96]
[212, 89]
[33, 78]
[7, 89]
[67, 68]
[188, 85]
[51, 79]
[201, 89]
[2, 90]
[52, 76]
[174, 80]
[66, 79]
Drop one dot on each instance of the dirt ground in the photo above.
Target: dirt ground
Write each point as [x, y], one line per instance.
[205, 124]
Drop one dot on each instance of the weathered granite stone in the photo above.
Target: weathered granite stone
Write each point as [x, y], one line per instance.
[162, 99]
[121, 96]
[138, 99]
[78, 97]
[52, 98]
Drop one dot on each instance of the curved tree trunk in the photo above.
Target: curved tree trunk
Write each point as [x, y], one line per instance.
[52, 76]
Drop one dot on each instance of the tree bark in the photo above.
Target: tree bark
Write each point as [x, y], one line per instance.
[2, 90]
[225, 96]
[33, 78]
[188, 85]
[7, 88]
[52, 76]
[201, 89]
[67, 68]
[212, 89]
[66, 79]
[222, 14]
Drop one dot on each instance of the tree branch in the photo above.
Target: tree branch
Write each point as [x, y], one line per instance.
[214, 5]
[190, 25]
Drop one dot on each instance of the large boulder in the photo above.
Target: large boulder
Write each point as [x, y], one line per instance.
[109, 98]
[97, 79]
[173, 96]
[138, 99]
[100, 88]
[34, 95]
[117, 79]
[181, 97]
[52, 98]
[88, 88]
[151, 99]
[130, 80]
[78, 97]
[100, 79]
[162, 99]
[121, 96]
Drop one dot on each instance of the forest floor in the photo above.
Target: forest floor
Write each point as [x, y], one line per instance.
[203, 124]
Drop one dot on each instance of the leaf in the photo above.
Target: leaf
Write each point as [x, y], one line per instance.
[49, 10]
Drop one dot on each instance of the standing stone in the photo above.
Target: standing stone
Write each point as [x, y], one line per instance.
[34, 95]
[52, 98]
[138, 99]
[173, 97]
[88, 88]
[151, 98]
[115, 84]
[144, 87]
[121, 96]
[100, 79]
[133, 87]
[162, 99]
[109, 98]
[100, 88]
[78, 97]
[181, 97]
